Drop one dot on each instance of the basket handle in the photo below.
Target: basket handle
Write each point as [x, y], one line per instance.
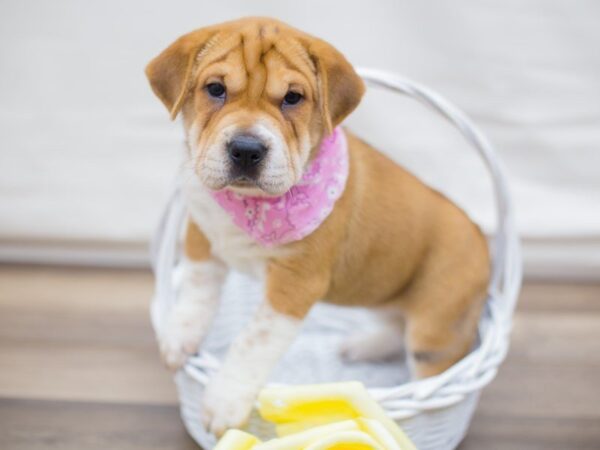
[506, 262]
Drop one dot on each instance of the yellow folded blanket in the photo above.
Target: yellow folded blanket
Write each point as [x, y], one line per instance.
[336, 416]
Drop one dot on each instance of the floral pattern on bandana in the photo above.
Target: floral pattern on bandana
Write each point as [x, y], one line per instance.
[297, 213]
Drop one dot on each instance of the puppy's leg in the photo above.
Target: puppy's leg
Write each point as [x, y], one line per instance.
[436, 344]
[386, 341]
[197, 301]
[442, 319]
[231, 393]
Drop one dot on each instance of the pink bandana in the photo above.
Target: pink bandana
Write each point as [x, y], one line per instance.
[297, 213]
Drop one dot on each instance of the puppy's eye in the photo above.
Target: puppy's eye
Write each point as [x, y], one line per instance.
[216, 90]
[292, 98]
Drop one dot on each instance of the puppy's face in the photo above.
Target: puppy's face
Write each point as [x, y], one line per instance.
[256, 97]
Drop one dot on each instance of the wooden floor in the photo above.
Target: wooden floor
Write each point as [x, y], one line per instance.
[79, 367]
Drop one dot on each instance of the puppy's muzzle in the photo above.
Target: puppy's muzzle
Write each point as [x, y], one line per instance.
[245, 153]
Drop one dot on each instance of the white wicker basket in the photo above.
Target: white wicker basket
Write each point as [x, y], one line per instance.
[434, 412]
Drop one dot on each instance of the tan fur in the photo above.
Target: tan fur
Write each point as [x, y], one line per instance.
[390, 239]
[197, 247]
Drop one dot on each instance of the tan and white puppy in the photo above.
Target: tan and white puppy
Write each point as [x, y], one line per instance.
[390, 243]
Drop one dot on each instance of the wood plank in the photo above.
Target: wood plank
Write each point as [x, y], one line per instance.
[27, 288]
[41, 424]
[493, 432]
[84, 372]
[560, 297]
[79, 334]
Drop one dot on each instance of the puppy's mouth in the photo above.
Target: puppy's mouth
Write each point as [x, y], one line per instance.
[243, 181]
[250, 186]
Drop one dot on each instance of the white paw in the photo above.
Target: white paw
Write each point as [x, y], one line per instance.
[374, 346]
[180, 339]
[226, 403]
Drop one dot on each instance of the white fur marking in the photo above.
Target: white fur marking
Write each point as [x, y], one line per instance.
[191, 316]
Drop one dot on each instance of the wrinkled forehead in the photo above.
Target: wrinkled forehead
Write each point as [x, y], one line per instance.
[260, 59]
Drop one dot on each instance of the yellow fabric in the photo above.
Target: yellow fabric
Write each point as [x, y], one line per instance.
[336, 416]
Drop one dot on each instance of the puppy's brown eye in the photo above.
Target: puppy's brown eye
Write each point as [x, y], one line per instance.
[216, 90]
[292, 98]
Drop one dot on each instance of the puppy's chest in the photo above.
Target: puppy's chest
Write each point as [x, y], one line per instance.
[228, 242]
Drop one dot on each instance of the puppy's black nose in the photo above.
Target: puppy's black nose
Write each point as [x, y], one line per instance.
[246, 151]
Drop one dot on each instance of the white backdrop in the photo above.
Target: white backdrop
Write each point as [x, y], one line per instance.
[88, 154]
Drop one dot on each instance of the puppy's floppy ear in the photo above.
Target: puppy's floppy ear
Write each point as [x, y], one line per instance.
[170, 73]
[340, 87]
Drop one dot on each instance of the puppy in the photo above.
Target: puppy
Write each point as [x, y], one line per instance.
[275, 188]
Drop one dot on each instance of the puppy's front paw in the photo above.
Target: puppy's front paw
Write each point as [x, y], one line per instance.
[227, 403]
[180, 339]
